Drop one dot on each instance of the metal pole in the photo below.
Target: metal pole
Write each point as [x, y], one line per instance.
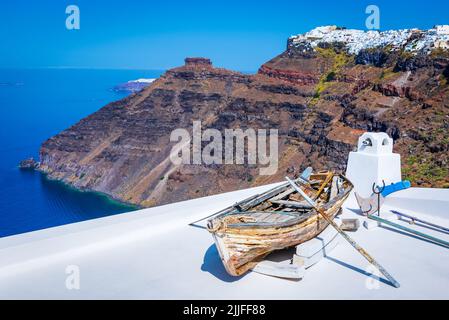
[378, 190]
[444, 243]
[352, 242]
[420, 220]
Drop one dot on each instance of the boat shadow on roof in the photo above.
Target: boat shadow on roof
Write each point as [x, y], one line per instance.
[212, 264]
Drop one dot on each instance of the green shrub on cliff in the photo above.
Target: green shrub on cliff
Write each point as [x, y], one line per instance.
[387, 73]
[419, 168]
[338, 60]
[330, 76]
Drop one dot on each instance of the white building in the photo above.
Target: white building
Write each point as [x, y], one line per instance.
[357, 40]
[441, 44]
[442, 29]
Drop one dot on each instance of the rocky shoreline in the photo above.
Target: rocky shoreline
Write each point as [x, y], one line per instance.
[28, 164]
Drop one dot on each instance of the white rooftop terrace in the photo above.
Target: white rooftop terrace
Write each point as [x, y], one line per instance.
[154, 254]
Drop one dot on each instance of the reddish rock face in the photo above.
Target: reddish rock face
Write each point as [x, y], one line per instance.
[296, 77]
[319, 101]
[389, 89]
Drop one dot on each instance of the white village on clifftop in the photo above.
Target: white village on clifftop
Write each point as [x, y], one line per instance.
[411, 40]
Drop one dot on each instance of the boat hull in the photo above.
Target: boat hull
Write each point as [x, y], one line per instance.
[240, 249]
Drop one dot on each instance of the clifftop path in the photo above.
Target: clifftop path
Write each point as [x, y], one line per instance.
[320, 95]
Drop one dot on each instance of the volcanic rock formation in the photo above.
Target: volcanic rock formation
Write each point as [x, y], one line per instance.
[320, 95]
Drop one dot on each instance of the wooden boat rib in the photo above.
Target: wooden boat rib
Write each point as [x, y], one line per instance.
[277, 219]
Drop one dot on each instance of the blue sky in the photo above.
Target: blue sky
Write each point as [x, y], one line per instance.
[238, 35]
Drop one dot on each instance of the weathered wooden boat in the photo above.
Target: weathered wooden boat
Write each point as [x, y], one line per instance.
[248, 231]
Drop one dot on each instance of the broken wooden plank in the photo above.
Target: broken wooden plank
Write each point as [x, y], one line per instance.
[282, 195]
[334, 188]
[328, 179]
[293, 204]
[263, 197]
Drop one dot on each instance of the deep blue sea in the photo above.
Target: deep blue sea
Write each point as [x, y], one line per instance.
[36, 104]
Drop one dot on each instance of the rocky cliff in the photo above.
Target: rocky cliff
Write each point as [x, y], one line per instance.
[320, 94]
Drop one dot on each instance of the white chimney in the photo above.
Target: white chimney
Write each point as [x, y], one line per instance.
[373, 162]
